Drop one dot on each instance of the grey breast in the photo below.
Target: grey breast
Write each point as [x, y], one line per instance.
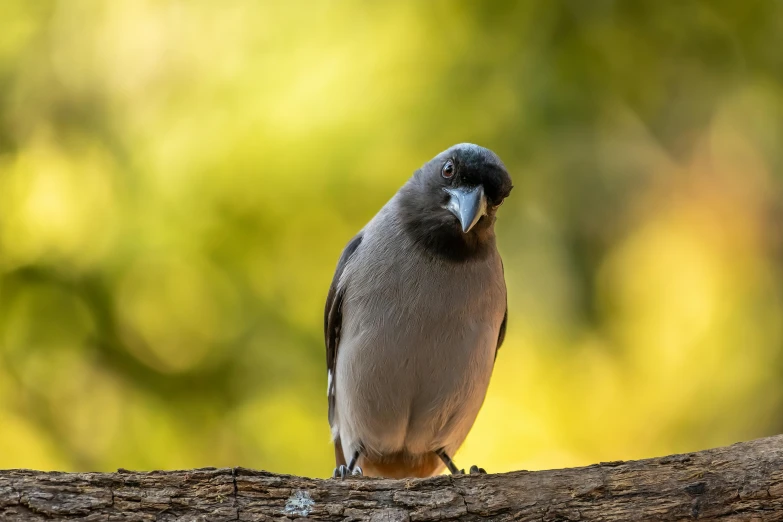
[418, 343]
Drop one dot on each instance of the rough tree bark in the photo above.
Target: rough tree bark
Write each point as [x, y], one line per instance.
[740, 482]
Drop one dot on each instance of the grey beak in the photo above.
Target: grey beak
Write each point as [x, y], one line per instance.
[468, 204]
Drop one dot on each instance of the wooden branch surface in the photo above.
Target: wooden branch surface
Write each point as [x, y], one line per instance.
[740, 482]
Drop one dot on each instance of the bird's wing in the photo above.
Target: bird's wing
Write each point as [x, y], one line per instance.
[333, 319]
[502, 332]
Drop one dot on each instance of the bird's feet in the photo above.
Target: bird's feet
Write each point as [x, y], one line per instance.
[474, 470]
[342, 472]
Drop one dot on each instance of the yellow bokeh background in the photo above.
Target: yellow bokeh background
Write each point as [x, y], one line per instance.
[177, 180]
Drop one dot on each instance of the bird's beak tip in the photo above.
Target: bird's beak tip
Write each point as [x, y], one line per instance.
[468, 205]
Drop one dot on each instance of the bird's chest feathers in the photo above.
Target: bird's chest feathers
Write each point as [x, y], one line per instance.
[416, 303]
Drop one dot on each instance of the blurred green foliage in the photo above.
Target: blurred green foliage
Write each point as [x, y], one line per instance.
[177, 180]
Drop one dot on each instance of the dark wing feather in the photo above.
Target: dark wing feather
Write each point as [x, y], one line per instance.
[502, 332]
[333, 317]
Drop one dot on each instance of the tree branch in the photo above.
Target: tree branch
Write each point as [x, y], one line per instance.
[740, 482]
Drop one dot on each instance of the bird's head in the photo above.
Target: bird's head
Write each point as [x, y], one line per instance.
[451, 202]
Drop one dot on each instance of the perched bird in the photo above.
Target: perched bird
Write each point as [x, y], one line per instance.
[414, 317]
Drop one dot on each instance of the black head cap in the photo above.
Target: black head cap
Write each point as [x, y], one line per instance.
[473, 166]
[428, 201]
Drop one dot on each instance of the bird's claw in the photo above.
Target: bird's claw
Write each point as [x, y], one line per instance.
[342, 472]
[475, 470]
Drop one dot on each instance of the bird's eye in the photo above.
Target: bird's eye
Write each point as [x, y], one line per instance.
[448, 169]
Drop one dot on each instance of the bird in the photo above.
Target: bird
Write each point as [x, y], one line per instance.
[414, 318]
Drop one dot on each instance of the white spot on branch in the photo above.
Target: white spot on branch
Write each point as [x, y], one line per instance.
[300, 503]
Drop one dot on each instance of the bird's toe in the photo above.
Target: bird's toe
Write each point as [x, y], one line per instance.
[475, 470]
[357, 472]
[341, 472]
